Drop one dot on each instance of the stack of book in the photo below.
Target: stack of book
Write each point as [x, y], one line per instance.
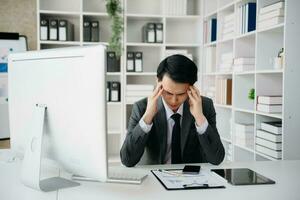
[228, 27]
[113, 92]
[271, 15]
[226, 62]
[224, 91]
[210, 30]
[269, 104]
[136, 92]
[152, 32]
[247, 18]
[184, 52]
[210, 59]
[175, 7]
[56, 29]
[244, 134]
[243, 64]
[269, 139]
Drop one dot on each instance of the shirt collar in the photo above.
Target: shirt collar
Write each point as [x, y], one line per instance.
[170, 112]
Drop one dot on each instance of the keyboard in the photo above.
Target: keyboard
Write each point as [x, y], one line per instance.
[126, 177]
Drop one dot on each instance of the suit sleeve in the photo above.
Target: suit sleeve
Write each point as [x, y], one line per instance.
[210, 139]
[136, 139]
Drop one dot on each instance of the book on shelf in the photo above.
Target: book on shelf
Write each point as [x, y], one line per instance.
[86, 31]
[95, 31]
[175, 7]
[138, 61]
[244, 61]
[210, 59]
[243, 68]
[224, 91]
[269, 108]
[247, 17]
[269, 15]
[268, 136]
[277, 146]
[149, 33]
[269, 152]
[213, 29]
[273, 127]
[115, 91]
[44, 29]
[244, 127]
[270, 100]
[65, 30]
[270, 22]
[271, 7]
[130, 62]
[112, 62]
[53, 29]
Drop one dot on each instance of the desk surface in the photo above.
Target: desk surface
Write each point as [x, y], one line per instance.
[285, 173]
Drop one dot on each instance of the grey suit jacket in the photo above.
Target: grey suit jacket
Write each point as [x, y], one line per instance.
[150, 148]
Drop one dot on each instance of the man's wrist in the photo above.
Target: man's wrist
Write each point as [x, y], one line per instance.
[200, 120]
[147, 118]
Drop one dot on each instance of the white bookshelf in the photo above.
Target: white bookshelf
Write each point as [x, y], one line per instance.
[263, 44]
[136, 14]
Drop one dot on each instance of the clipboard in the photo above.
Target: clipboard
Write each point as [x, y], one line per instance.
[174, 179]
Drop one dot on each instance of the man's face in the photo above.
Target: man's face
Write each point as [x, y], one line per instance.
[174, 93]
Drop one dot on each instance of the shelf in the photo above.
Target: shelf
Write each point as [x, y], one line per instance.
[244, 110]
[210, 44]
[182, 45]
[184, 17]
[141, 44]
[113, 73]
[275, 28]
[244, 73]
[141, 73]
[75, 43]
[226, 40]
[56, 12]
[211, 15]
[114, 103]
[278, 116]
[224, 106]
[223, 73]
[275, 71]
[95, 43]
[99, 14]
[246, 35]
[143, 17]
[231, 4]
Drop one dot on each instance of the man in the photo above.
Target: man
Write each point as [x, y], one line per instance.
[175, 124]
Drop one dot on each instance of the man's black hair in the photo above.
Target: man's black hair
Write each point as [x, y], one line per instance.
[179, 68]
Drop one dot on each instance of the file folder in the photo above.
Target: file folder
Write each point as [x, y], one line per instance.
[44, 29]
[149, 33]
[53, 24]
[86, 31]
[130, 62]
[65, 31]
[113, 63]
[159, 32]
[138, 61]
[115, 91]
[95, 31]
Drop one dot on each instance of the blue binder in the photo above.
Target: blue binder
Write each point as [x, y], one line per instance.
[251, 17]
[213, 29]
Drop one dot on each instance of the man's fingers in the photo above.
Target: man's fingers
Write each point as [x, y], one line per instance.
[195, 94]
[159, 93]
[156, 90]
[190, 94]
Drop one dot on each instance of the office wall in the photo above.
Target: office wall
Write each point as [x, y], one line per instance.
[19, 16]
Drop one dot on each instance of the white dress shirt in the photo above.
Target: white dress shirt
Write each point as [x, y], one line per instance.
[147, 127]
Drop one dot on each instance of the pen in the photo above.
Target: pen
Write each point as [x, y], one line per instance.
[169, 172]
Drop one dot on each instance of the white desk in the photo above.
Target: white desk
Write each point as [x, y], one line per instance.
[285, 173]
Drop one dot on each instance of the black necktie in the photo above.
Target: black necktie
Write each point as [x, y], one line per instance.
[176, 149]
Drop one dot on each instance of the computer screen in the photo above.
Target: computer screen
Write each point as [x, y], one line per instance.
[70, 82]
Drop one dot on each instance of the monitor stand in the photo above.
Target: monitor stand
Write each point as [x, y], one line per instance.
[31, 166]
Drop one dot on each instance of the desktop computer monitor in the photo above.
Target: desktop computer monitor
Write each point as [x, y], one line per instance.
[57, 107]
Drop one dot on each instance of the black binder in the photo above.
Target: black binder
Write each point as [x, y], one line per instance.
[95, 31]
[113, 63]
[159, 32]
[130, 62]
[53, 32]
[149, 33]
[86, 31]
[115, 91]
[65, 31]
[138, 61]
[44, 29]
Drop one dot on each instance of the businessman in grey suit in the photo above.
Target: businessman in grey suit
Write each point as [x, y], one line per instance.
[175, 124]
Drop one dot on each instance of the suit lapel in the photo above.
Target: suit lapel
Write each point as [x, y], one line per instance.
[161, 128]
[187, 119]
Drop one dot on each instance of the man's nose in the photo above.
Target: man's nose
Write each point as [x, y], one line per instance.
[174, 98]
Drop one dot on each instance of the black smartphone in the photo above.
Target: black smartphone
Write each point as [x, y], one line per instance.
[191, 169]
